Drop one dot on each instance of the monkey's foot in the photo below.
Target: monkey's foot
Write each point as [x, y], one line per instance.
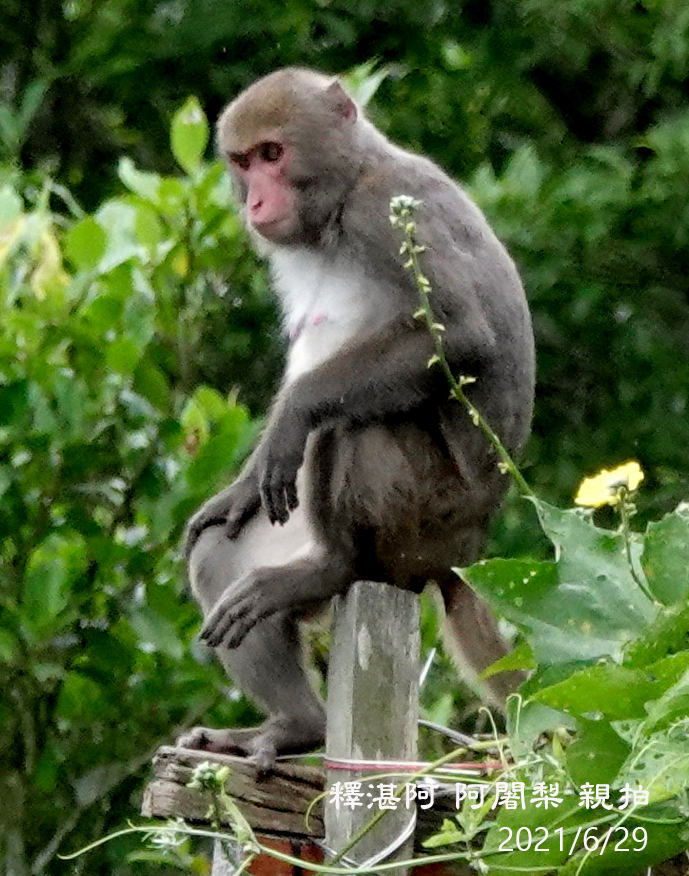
[242, 606]
[261, 745]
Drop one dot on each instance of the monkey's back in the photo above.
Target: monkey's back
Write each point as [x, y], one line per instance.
[476, 292]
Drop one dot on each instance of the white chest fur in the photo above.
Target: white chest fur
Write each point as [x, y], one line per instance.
[325, 303]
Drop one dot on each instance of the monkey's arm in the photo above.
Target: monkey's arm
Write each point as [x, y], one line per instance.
[384, 374]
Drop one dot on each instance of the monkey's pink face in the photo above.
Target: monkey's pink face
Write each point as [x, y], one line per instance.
[271, 208]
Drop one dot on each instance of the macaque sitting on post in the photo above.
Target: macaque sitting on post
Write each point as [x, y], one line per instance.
[366, 469]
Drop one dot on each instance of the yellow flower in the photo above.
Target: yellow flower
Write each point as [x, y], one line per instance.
[606, 487]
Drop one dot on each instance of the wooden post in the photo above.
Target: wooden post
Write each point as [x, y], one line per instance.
[372, 712]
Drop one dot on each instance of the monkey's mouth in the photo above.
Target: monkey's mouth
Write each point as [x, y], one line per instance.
[273, 228]
[278, 230]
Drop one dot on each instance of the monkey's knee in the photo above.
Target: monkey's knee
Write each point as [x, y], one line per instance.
[212, 566]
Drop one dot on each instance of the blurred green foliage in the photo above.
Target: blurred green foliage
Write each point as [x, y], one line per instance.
[580, 110]
[106, 447]
[139, 339]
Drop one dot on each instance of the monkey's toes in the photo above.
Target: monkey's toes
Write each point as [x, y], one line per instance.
[264, 757]
[199, 738]
[229, 631]
[239, 630]
[230, 621]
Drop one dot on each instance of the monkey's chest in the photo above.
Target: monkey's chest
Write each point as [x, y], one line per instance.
[326, 302]
[317, 339]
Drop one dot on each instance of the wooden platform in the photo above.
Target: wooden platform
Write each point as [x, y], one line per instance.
[275, 806]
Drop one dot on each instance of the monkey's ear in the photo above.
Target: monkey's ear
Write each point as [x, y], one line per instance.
[342, 102]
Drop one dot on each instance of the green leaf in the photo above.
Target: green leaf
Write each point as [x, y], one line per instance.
[363, 81]
[14, 403]
[528, 720]
[85, 244]
[11, 205]
[593, 559]
[189, 135]
[172, 195]
[148, 227]
[151, 382]
[209, 400]
[597, 753]
[144, 184]
[123, 355]
[156, 633]
[449, 833]
[668, 632]
[617, 692]
[625, 854]
[9, 649]
[220, 452]
[542, 825]
[660, 763]
[673, 705]
[80, 700]
[118, 219]
[666, 556]
[520, 658]
[52, 568]
[71, 399]
[583, 606]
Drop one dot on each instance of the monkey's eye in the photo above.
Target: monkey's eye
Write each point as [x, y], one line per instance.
[240, 159]
[271, 151]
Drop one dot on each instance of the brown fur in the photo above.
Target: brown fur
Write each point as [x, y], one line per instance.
[370, 469]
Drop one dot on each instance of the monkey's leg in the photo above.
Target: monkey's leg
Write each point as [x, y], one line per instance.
[267, 665]
[299, 587]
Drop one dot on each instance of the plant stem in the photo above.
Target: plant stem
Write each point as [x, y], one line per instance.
[624, 509]
[401, 218]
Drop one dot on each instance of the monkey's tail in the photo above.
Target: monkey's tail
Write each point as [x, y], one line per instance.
[474, 642]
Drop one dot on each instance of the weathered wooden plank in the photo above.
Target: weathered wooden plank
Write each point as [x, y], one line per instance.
[372, 710]
[275, 806]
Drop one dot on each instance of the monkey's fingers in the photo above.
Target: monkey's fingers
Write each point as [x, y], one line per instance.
[230, 629]
[219, 624]
[233, 616]
[240, 514]
[275, 503]
[279, 493]
[196, 527]
[291, 495]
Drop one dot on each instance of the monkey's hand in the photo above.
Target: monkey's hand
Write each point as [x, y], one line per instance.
[278, 459]
[244, 603]
[233, 506]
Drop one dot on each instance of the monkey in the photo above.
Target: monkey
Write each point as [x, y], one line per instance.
[366, 468]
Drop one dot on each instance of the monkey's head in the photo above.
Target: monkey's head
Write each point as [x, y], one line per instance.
[291, 143]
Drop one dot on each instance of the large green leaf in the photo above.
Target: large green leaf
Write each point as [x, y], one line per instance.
[597, 753]
[673, 705]
[659, 763]
[666, 556]
[534, 829]
[632, 848]
[668, 632]
[584, 605]
[616, 692]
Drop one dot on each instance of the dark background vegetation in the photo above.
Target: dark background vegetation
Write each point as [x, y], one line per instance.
[568, 122]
